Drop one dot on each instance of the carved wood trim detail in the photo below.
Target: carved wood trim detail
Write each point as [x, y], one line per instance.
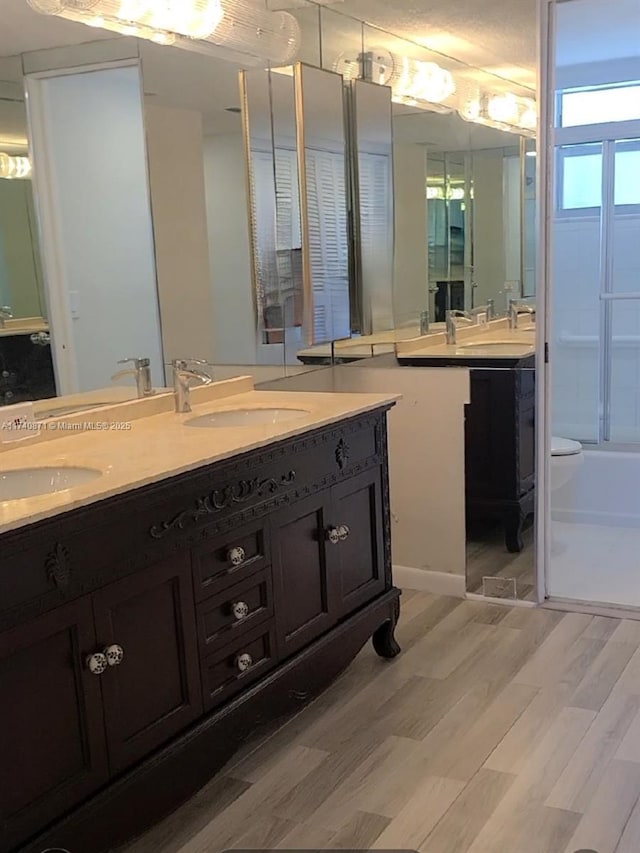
[58, 566]
[236, 493]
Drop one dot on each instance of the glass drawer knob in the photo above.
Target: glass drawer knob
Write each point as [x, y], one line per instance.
[244, 662]
[96, 663]
[343, 532]
[240, 609]
[333, 535]
[114, 655]
[236, 556]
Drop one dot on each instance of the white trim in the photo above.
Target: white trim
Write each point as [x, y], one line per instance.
[438, 583]
[568, 605]
[545, 204]
[506, 602]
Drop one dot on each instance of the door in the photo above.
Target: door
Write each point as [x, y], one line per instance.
[154, 690]
[303, 566]
[358, 516]
[52, 702]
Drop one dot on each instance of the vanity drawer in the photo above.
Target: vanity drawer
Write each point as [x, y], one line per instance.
[227, 560]
[233, 668]
[221, 619]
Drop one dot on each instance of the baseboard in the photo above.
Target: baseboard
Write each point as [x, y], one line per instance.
[438, 583]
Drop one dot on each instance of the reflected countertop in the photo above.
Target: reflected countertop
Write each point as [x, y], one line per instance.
[135, 453]
[495, 341]
[361, 346]
[23, 326]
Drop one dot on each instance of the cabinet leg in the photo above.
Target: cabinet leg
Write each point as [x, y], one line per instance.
[513, 523]
[384, 641]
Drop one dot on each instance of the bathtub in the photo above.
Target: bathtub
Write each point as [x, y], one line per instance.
[605, 490]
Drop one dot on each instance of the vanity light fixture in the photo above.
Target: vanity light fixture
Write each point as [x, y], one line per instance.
[412, 81]
[246, 26]
[150, 19]
[504, 111]
[14, 166]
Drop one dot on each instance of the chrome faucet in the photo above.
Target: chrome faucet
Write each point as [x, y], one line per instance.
[5, 314]
[424, 323]
[453, 317]
[142, 372]
[516, 308]
[182, 373]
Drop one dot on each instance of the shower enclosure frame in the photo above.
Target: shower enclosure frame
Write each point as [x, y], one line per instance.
[549, 138]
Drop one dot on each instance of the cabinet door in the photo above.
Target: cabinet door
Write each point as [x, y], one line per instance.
[303, 565]
[155, 691]
[357, 512]
[52, 744]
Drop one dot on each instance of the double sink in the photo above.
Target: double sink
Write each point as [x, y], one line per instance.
[24, 483]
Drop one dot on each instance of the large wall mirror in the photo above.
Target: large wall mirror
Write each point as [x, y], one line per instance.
[478, 210]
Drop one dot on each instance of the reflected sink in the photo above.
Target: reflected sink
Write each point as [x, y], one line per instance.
[247, 418]
[29, 482]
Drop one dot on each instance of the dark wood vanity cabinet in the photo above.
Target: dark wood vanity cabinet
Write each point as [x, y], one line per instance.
[154, 691]
[499, 438]
[144, 638]
[52, 741]
[500, 448]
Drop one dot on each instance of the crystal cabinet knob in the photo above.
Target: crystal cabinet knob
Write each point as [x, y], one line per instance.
[244, 662]
[236, 556]
[114, 655]
[96, 663]
[333, 535]
[240, 609]
[343, 532]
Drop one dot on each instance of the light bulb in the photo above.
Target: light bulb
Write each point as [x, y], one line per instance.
[14, 166]
[503, 108]
[529, 115]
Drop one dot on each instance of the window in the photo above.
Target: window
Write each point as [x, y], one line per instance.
[579, 178]
[597, 105]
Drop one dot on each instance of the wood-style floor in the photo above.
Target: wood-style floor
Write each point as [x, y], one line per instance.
[488, 557]
[498, 730]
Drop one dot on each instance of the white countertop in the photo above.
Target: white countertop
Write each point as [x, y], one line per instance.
[160, 446]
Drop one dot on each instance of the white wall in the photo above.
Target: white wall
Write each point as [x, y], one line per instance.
[229, 249]
[89, 153]
[488, 227]
[410, 263]
[426, 455]
[176, 176]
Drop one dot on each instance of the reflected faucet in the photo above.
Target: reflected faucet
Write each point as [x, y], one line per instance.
[142, 372]
[518, 307]
[5, 314]
[182, 373]
[453, 317]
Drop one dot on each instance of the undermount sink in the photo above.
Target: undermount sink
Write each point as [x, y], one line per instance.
[247, 418]
[29, 482]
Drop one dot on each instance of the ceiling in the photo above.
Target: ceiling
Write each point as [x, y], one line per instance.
[500, 35]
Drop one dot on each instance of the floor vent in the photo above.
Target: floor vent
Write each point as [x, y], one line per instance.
[499, 588]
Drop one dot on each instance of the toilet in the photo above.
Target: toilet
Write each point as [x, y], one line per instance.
[566, 459]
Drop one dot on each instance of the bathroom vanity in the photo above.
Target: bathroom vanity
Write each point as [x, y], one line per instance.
[148, 630]
[499, 421]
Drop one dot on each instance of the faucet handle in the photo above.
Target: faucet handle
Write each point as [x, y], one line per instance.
[185, 362]
[137, 362]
